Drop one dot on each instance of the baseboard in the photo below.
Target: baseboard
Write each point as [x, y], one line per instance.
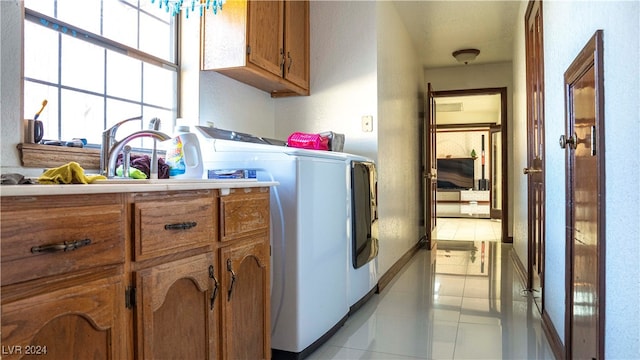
[520, 269]
[552, 336]
[555, 342]
[395, 269]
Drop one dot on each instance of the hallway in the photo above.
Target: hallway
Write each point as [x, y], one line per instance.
[463, 302]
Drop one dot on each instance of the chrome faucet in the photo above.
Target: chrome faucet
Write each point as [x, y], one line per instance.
[112, 153]
[154, 124]
[108, 140]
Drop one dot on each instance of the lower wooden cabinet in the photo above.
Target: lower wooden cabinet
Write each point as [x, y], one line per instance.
[176, 310]
[81, 321]
[245, 299]
[137, 284]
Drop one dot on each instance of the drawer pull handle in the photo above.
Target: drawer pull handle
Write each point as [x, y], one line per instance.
[181, 226]
[65, 246]
[216, 284]
[233, 279]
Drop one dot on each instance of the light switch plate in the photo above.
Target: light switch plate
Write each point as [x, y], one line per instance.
[367, 123]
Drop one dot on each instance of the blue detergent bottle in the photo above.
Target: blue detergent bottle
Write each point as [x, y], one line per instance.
[183, 155]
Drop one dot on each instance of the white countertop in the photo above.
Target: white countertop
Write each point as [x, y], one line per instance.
[130, 186]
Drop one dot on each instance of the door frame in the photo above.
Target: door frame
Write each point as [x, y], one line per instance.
[535, 169]
[428, 177]
[493, 212]
[591, 56]
[504, 182]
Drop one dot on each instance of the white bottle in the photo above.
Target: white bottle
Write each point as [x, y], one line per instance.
[183, 155]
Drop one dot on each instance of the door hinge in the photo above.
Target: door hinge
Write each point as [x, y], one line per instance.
[130, 297]
[248, 49]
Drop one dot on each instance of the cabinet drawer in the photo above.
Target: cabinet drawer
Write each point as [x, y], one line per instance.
[244, 212]
[39, 242]
[168, 225]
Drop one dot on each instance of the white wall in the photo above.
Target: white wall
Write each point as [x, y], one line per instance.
[365, 64]
[343, 79]
[401, 90]
[519, 150]
[208, 97]
[475, 77]
[577, 22]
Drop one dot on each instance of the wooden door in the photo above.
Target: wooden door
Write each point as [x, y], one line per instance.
[296, 42]
[429, 176]
[175, 314]
[495, 151]
[535, 149]
[266, 41]
[245, 298]
[77, 322]
[584, 143]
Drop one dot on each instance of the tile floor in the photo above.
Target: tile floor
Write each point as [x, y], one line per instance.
[462, 302]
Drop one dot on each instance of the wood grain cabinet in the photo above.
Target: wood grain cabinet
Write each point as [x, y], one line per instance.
[264, 44]
[148, 275]
[176, 285]
[176, 313]
[245, 274]
[62, 277]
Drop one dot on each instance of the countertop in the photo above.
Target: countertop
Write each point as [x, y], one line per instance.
[131, 186]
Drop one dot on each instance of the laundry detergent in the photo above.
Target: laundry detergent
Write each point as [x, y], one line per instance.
[183, 155]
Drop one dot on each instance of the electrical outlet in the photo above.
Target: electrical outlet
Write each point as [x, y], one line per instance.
[367, 123]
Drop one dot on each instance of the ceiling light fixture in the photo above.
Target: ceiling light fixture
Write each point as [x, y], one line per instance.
[465, 55]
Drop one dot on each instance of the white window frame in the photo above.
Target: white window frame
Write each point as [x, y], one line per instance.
[108, 44]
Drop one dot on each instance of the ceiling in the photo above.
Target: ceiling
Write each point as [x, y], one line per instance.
[438, 28]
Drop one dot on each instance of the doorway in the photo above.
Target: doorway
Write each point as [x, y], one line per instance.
[489, 155]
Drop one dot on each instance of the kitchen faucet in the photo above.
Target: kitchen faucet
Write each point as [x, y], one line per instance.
[112, 153]
[108, 140]
[154, 124]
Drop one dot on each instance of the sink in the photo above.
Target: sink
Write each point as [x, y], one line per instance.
[130, 181]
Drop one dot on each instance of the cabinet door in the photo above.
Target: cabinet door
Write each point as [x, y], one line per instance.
[84, 321]
[175, 310]
[246, 304]
[296, 42]
[265, 35]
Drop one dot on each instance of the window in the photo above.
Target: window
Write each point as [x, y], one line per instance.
[97, 62]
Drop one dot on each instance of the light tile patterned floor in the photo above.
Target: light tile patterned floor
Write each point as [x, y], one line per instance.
[462, 302]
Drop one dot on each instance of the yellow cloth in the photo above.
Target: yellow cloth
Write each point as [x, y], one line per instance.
[71, 173]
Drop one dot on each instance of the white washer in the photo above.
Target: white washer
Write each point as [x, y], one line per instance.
[310, 227]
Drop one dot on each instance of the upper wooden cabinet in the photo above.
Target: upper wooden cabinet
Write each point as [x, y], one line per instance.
[264, 44]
